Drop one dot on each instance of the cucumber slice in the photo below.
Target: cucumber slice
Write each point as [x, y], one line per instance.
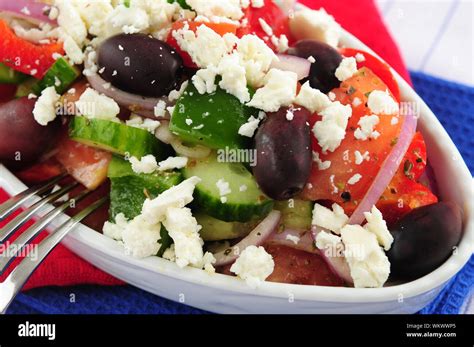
[60, 75]
[212, 120]
[296, 214]
[214, 229]
[240, 206]
[10, 76]
[116, 137]
[129, 190]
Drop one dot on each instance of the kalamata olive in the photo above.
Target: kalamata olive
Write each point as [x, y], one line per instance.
[321, 75]
[139, 64]
[424, 239]
[283, 147]
[22, 139]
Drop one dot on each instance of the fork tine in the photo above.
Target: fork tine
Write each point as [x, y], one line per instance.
[28, 235]
[14, 202]
[17, 278]
[19, 220]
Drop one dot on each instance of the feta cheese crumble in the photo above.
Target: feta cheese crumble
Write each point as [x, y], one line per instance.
[293, 238]
[325, 240]
[253, 265]
[147, 164]
[359, 158]
[322, 165]
[380, 102]
[368, 264]
[354, 179]
[172, 163]
[317, 25]
[332, 220]
[91, 104]
[377, 226]
[346, 69]
[312, 99]
[45, 107]
[331, 130]
[248, 129]
[366, 130]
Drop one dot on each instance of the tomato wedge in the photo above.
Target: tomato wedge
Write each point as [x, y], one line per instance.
[24, 56]
[404, 193]
[40, 172]
[220, 28]
[333, 183]
[273, 15]
[378, 67]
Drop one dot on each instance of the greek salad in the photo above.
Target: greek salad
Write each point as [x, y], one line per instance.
[234, 136]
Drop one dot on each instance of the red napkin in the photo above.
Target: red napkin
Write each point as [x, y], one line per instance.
[361, 17]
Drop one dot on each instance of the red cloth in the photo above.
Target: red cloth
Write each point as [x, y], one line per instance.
[361, 18]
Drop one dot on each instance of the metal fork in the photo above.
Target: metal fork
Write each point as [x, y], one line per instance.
[10, 287]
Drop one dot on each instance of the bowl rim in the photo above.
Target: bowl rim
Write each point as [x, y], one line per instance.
[110, 248]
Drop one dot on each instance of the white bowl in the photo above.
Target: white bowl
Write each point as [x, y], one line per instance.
[225, 294]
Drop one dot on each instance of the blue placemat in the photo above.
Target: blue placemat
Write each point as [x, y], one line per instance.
[451, 102]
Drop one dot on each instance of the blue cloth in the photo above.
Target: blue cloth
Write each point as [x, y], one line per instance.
[451, 102]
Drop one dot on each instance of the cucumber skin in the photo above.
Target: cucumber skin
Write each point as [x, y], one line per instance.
[116, 137]
[209, 202]
[63, 71]
[10, 76]
[297, 217]
[214, 135]
[214, 229]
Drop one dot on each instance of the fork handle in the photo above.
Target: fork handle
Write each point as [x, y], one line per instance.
[17, 278]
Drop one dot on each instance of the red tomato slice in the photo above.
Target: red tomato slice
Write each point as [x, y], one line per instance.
[25, 56]
[273, 15]
[404, 193]
[332, 183]
[220, 28]
[381, 69]
[86, 164]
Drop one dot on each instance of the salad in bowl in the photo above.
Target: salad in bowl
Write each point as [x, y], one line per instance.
[234, 136]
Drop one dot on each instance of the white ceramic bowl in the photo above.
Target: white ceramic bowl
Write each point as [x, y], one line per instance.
[225, 294]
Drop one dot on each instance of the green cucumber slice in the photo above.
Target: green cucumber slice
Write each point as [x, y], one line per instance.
[241, 205]
[10, 76]
[116, 137]
[212, 120]
[214, 229]
[295, 214]
[60, 75]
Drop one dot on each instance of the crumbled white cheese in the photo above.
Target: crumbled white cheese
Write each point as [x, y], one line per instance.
[356, 102]
[332, 220]
[217, 8]
[322, 165]
[91, 104]
[128, 20]
[253, 265]
[280, 43]
[256, 57]
[331, 130]
[257, 3]
[359, 158]
[233, 77]
[172, 163]
[366, 128]
[293, 238]
[70, 21]
[143, 123]
[279, 90]
[223, 186]
[248, 129]
[177, 196]
[243, 188]
[315, 24]
[160, 109]
[354, 179]
[265, 27]
[360, 57]
[311, 59]
[169, 254]
[312, 99]
[368, 264]
[380, 102]
[394, 120]
[346, 69]
[184, 230]
[147, 164]
[176, 94]
[45, 107]
[377, 225]
[325, 240]
[204, 80]
[140, 238]
[115, 230]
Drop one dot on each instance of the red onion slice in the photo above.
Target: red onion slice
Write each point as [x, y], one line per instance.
[338, 263]
[298, 65]
[138, 104]
[256, 237]
[285, 238]
[30, 10]
[387, 171]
